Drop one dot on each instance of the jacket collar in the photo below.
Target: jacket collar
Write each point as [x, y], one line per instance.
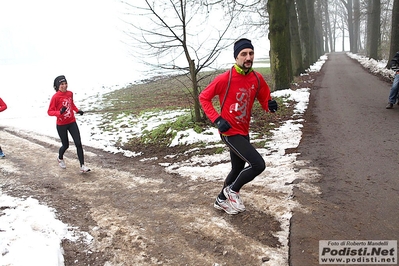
[241, 71]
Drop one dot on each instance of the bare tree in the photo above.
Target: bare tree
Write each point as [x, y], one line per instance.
[349, 8]
[336, 12]
[185, 35]
[189, 35]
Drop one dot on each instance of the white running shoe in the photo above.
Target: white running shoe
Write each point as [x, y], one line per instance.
[234, 199]
[84, 169]
[224, 205]
[61, 163]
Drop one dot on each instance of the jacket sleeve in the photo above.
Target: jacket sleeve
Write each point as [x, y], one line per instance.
[264, 95]
[3, 105]
[207, 95]
[52, 109]
[395, 62]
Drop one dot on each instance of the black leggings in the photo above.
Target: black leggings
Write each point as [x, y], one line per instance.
[241, 152]
[74, 131]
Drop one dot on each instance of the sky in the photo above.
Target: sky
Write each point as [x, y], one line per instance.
[80, 39]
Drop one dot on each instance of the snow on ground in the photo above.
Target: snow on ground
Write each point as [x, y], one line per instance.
[29, 229]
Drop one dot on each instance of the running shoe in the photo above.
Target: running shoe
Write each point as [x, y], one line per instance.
[224, 205]
[84, 169]
[234, 199]
[61, 163]
[2, 155]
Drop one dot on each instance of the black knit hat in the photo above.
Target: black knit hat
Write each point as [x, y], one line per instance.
[240, 45]
[58, 80]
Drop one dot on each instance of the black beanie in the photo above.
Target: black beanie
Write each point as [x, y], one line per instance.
[240, 45]
[58, 81]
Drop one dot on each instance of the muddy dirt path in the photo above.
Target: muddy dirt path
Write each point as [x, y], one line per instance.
[136, 212]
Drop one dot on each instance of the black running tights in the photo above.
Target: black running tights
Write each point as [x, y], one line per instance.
[74, 131]
[241, 152]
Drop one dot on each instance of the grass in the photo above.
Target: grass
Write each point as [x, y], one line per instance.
[163, 93]
[173, 93]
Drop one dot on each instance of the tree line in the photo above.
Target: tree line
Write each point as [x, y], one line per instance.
[187, 36]
[312, 28]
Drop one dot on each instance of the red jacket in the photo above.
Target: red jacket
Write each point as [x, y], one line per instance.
[59, 100]
[239, 101]
[3, 105]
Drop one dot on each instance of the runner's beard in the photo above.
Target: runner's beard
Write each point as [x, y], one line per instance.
[247, 65]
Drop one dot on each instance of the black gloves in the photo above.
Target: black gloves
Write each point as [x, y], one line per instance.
[63, 109]
[272, 106]
[222, 124]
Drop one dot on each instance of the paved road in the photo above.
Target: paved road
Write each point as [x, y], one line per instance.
[352, 140]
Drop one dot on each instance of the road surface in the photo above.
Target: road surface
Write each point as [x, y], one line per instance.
[352, 140]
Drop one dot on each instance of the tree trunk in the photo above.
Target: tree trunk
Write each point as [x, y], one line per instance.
[369, 26]
[350, 26]
[296, 51]
[312, 30]
[394, 47]
[349, 8]
[196, 91]
[343, 36]
[375, 29]
[280, 51]
[304, 32]
[356, 25]
[329, 44]
[319, 30]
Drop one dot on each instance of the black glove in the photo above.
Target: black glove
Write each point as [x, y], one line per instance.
[272, 106]
[63, 109]
[80, 112]
[222, 124]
